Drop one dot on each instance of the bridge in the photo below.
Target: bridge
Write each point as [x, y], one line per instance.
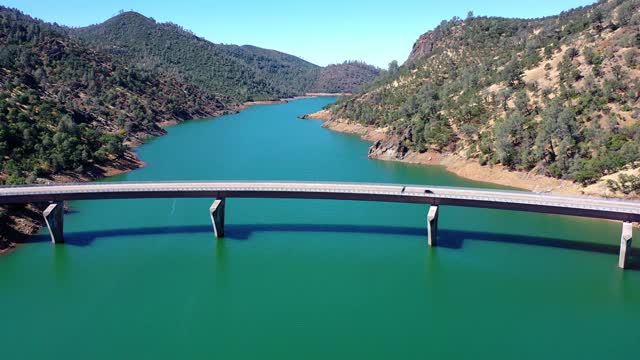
[435, 196]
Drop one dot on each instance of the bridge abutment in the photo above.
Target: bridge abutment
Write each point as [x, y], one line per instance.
[625, 244]
[217, 217]
[432, 225]
[54, 218]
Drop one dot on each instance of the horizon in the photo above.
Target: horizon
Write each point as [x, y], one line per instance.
[356, 24]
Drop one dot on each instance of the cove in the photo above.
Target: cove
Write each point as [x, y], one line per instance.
[311, 278]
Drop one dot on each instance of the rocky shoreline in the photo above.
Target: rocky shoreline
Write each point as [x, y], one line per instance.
[390, 148]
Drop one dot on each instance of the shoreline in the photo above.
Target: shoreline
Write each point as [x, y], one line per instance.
[469, 169]
[247, 104]
[27, 222]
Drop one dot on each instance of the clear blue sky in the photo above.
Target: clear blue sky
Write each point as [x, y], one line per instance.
[323, 32]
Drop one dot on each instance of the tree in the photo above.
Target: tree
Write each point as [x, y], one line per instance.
[625, 12]
[548, 52]
[597, 17]
[568, 72]
[508, 134]
[503, 97]
[393, 67]
[558, 124]
[626, 184]
[512, 73]
[572, 53]
[592, 57]
[631, 58]
[522, 102]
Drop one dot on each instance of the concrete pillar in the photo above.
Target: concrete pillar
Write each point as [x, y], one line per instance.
[54, 217]
[432, 225]
[625, 244]
[217, 217]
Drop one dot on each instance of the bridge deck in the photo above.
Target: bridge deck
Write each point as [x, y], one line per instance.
[614, 209]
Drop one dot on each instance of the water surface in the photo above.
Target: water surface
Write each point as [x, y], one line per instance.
[312, 279]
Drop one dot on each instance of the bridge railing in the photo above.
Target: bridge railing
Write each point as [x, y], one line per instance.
[614, 209]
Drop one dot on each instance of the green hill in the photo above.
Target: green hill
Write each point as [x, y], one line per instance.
[65, 107]
[243, 72]
[346, 77]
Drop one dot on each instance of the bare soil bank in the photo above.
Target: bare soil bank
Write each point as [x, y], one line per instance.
[466, 168]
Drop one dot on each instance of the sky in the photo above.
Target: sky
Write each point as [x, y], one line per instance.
[322, 32]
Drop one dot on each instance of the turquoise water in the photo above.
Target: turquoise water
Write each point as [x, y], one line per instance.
[311, 279]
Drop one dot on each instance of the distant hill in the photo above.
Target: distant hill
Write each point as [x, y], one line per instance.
[558, 96]
[346, 77]
[243, 72]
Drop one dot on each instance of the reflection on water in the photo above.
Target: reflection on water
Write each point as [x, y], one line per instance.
[61, 262]
[221, 264]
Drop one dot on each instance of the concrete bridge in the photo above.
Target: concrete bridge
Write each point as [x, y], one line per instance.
[435, 196]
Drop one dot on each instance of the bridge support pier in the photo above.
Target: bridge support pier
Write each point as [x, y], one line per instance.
[625, 244]
[217, 217]
[432, 225]
[54, 217]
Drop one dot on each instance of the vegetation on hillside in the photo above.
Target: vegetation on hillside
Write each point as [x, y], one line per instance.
[625, 183]
[245, 73]
[558, 95]
[346, 77]
[64, 107]
[72, 100]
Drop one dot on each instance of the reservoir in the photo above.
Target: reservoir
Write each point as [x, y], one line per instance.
[311, 279]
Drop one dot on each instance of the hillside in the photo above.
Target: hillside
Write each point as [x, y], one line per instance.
[346, 77]
[556, 96]
[245, 73]
[73, 101]
[67, 111]
[64, 106]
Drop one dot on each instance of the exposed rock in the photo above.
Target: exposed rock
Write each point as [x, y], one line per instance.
[391, 148]
[54, 49]
[421, 48]
[320, 115]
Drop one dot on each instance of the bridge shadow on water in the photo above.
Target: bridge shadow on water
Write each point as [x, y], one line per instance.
[453, 239]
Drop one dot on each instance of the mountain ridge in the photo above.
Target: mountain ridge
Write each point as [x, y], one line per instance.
[245, 72]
